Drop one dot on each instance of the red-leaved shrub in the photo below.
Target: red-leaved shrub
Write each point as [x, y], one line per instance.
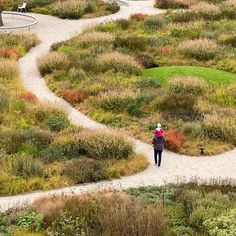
[72, 96]
[138, 16]
[9, 53]
[174, 140]
[28, 97]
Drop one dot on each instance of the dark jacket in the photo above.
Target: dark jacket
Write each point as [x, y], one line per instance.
[158, 143]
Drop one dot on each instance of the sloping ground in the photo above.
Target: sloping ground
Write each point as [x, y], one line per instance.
[175, 167]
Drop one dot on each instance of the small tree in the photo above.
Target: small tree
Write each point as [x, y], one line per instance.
[1, 9]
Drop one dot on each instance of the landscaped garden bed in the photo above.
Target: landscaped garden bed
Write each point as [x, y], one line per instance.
[39, 149]
[67, 9]
[171, 210]
[176, 68]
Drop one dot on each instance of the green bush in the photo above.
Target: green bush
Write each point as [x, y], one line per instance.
[18, 106]
[208, 207]
[57, 121]
[85, 170]
[31, 221]
[225, 224]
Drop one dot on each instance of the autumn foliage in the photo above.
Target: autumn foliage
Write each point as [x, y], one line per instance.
[27, 97]
[174, 140]
[73, 97]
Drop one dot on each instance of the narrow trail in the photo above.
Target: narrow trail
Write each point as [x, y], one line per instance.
[174, 167]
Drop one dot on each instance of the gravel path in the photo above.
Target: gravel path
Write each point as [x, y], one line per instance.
[174, 167]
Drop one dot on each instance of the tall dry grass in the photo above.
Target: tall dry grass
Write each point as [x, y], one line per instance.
[118, 62]
[105, 214]
[201, 49]
[8, 69]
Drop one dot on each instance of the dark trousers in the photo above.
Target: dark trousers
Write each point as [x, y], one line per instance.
[159, 153]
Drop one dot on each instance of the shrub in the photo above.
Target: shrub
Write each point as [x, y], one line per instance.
[146, 61]
[27, 167]
[174, 140]
[52, 61]
[174, 4]
[228, 8]
[72, 96]
[12, 140]
[179, 106]
[227, 65]
[113, 101]
[18, 106]
[224, 96]
[27, 97]
[193, 129]
[76, 74]
[200, 49]
[183, 17]
[119, 63]
[85, 170]
[221, 125]
[124, 23]
[104, 145]
[155, 22]
[8, 69]
[138, 16]
[186, 30]
[113, 7]
[149, 83]
[57, 121]
[96, 38]
[222, 225]
[30, 220]
[4, 100]
[133, 42]
[228, 40]
[187, 84]
[106, 214]
[70, 9]
[206, 10]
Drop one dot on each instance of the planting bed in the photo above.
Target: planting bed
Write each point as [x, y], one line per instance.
[39, 149]
[171, 210]
[175, 68]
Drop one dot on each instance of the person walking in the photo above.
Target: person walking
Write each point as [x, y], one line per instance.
[158, 142]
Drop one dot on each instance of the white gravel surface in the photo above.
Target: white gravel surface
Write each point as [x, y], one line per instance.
[174, 167]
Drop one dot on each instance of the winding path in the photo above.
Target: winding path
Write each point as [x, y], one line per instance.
[175, 167]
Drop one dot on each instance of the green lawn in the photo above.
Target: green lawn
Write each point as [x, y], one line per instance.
[214, 77]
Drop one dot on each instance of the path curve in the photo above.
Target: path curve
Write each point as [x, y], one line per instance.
[174, 168]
